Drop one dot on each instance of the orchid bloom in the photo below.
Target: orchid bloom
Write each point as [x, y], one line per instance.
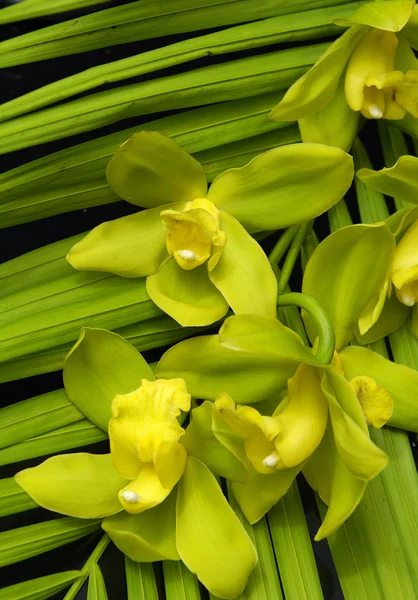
[370, 70]
[157, 501]
[400, 182]
[301, 410]
[192, 243]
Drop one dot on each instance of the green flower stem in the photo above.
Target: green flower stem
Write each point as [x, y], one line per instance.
[326, 345]
[93, 559]
[280, 247]
[289, 263]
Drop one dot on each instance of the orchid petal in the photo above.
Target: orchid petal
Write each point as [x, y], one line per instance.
[210, 440]
[99, 366]
[389, 15]
[132, 246]
[284, 186]
[399, 181]
[264, 491]
[189, 297]
[345, 273]
[147, 537]
[210, 538]
[150, 169]
[79, 485]
[243, 273]
[360, 455]
[317, 87]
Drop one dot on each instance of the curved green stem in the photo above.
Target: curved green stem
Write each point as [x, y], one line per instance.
[326, 335]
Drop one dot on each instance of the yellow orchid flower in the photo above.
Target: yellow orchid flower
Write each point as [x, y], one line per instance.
[287, 438]
[370, 70]
[147, 459]
[373, 86]
[400, 182]
[158, 501]
[193, 243]
[324, 411]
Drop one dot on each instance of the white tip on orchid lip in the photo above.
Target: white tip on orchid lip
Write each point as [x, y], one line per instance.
[408, 300]
[187, 255]
[131, 497]
[270, 461]
[375, 111]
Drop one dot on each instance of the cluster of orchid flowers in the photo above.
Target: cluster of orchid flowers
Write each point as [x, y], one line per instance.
[252, 404]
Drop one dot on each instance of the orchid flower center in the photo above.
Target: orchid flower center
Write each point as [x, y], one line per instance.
[144, 438]
[373, 86]
[193, 236]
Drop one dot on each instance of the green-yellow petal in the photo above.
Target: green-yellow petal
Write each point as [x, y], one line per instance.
[346, 273]
[132, 246]
[399, 181]
[372, 311]
[79, 485]
[210, 538]
[264, 491]
[100, 365]
[150, 169]
[265, 337]
[210, 369]
[189, 297]
[389, 15]
[284, 186]
[393, 315]
[410, 31]
[346, 491]
[303, 420]
[360, 455]
[243, 273]
[317, 87]
[318, 469]
[333, 125]
[147, 537]
[211, 441]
